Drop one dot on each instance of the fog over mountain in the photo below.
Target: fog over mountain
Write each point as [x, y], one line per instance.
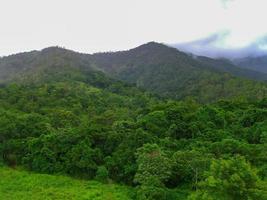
[215, 46]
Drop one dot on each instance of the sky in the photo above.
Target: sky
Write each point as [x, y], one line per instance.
[108, 25]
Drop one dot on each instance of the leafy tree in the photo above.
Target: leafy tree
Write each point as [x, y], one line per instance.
[189, 166]
[232, 179]
[155, 122]
[82, 159]
[154, 168]
[152, 164]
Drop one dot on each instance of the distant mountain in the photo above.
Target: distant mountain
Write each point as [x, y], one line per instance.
[254, 63]
[155, 67]
[228, 66]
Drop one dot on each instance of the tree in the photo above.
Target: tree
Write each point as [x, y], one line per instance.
[102, 174]
[82, 159]
[232, 179]
[155, 123]
[152, 163]
[153, 169]
[189, 166]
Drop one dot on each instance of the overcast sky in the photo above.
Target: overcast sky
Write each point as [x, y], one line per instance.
[105, 25]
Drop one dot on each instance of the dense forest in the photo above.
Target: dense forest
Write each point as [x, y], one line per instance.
[58, 115]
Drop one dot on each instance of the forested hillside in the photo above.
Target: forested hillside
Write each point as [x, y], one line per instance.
[258, 63]
[61, 113]
[225, 65]
[53, 64]
[154, 67]
[171, 73]
[131, 138]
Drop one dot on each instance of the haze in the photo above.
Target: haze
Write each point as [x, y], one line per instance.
[98, 25]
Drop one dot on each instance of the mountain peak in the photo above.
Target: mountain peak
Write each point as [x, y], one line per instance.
[54, 49]
[152, 45]
[154, 49]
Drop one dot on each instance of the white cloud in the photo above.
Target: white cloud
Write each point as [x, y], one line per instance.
[245, 19]
[99, 25]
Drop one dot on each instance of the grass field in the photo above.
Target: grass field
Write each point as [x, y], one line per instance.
[22, 185]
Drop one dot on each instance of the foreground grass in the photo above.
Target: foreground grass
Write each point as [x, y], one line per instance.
[22, 185]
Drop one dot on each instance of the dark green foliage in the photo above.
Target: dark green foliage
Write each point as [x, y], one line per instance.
[102, 174]
[189, 166]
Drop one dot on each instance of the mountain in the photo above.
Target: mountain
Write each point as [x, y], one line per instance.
[155, 67]
[171, 73]
[154, 53]
[228, 66]
[255, 63]
[52, 63]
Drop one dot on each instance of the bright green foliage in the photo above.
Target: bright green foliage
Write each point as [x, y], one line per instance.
[153, 170]
[231, 179]
[152, 165]
[151, 192]
[21, 185]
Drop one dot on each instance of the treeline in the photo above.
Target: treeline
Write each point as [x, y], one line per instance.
[116, 133]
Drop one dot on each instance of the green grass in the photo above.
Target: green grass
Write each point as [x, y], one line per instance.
[22, 185]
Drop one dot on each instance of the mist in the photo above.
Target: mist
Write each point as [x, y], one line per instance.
[214, 46]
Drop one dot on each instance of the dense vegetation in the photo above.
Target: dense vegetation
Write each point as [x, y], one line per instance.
[132, 138]
[61, 117]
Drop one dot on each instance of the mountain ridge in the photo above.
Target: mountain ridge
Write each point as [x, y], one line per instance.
[153, 66]
[258, 63]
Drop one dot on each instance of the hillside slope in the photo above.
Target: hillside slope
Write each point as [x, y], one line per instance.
[253, 63]
[171, 73]
[50, 63]
[21, 185]
[228, 66]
